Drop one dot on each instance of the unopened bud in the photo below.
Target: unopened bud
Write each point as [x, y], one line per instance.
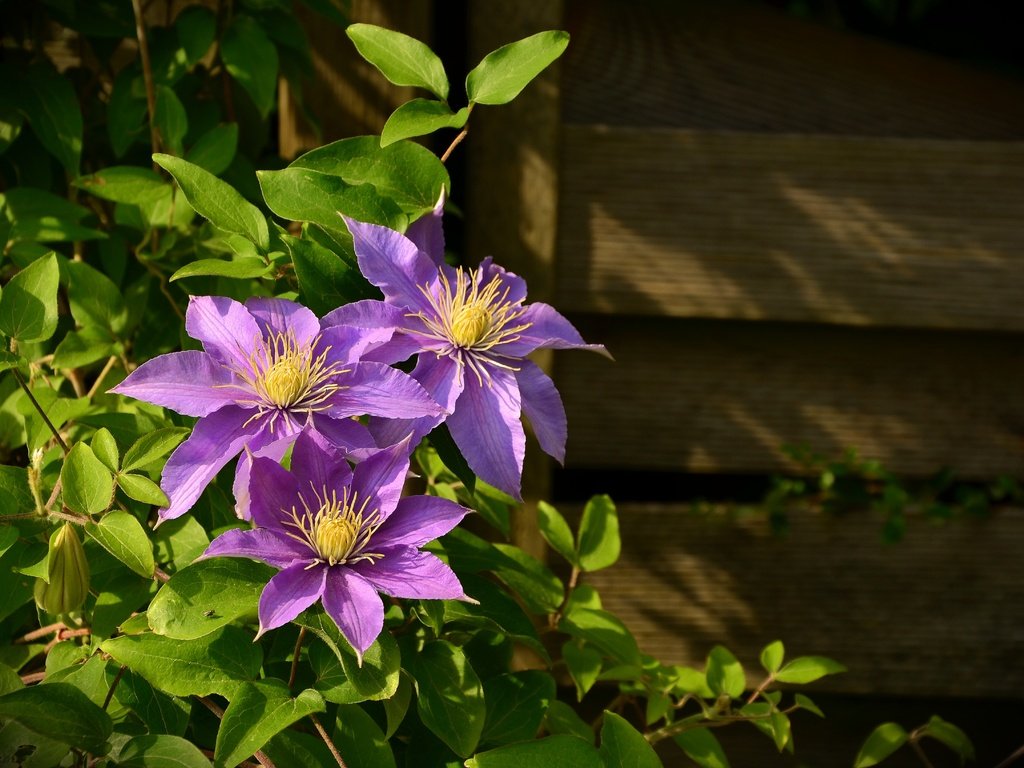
[68, 574]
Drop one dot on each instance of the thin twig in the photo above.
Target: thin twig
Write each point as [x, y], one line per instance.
[113, 686]
[556, 617]
[328, 742]
[39, 409]
[147, 76]
[34, 677]
[915, 742]
[1012, 758]
[295, 657]
[451, 147]
[36, 634]
[111, 362]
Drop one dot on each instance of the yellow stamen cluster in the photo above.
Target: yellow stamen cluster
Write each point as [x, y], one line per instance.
[337, 529]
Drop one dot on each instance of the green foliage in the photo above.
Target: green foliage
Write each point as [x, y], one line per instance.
[502, 74]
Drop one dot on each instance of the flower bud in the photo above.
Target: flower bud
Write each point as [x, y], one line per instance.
[68, 572]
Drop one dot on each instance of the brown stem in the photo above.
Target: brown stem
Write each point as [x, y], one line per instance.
[761, 689]
[111, 362]
[295, 657]
[36, 634]
[455, 142]
[328, 742]
[34, 677]
[113, 686]
[160, 575]
[1012, 758]
[261, 758]
[39, 409]
[556, 617]
[147, 76]
[915, 742]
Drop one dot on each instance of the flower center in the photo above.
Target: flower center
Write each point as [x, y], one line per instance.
[285, 382]
[470, 324]
[337, 529]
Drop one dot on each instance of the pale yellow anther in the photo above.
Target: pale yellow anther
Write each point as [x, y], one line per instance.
[334, 538]
[338, 529]
[286, 382]
[469, 324]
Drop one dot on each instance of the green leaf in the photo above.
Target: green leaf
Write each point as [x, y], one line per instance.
[88, 485]
[950, 735]
[561, 718]
[805, 703]
[605, 631]
[556, 532]
[15, 495]
[326, 281]
[701, 746]
[123, 536]
[516, 703]
[94, 299]
[28, 304]
[153, 446]
[622, 746]
[141, 488]
[598, 540]
[401, 59]
[126, 112]
[561, 750]
[197, 27]
[725, 673]
[772, 656]
[257, 712]
[206, 595]
[420, 117]
[48, 100]
[171, 119]
[496, 610]
[584, 665]
[407, 173]
[807, 669]
[215, 149]
[59, 711]
[251, 59]
[505, 72]
[10, 126]
[450, 455]
[217, 663]
[105, 448]
[161, 751]
[396, 707]
[302, 194]
[450, 698]
[179, 541]
[240, 268]
[159, 712]
[360, 740]
[123, 184]
[217, 200]
[10, 360]
[880, 743]
[80, 348]
[530, 579]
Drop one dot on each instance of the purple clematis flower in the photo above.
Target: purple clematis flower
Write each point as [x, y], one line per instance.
[268, 370]
[342, 535]
[472, 331]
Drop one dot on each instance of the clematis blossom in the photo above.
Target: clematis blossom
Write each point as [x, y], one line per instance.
[268, 369]
[472, 330]
[340, 535]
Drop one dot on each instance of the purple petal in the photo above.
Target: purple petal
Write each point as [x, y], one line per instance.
[509, 280]
[347, 344]
[486, 427]
[317, 463]
[377, 315]
[348, 434]
[355, 606]
[406, 572]
[275, 316]
[272, 490]
[548, 329]
[377, 390]
[427, 233]
[289, 593]
[192, 383]
[381, 476]
[226, 328]
[214, 441]
[274, 450]
[392, 262]
[263, 544]
[442, 377]
[542, 405]
[419, 519]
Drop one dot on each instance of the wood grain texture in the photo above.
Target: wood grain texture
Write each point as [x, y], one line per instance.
[863, 231]
[733, 65]
[831, 587]
[706, 396]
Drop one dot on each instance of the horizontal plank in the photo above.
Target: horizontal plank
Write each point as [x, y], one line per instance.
[716, 396]
[862, 231]
[938, 614]
[723, 64]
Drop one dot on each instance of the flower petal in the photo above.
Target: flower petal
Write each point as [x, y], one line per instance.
[381, 476]
[347, 344]
[214, 441]
[392, 262]
[317, 463]
[486, 427]
[442, 377]
[348, 434]
[275, 450]
[378, 390]
[289, 593]
[355, 606]
[261, 544]
[192, 383]
[417, 520]
[548, 329]
[272, 490]
[226, 328]
[542, 405]
[275, 316]
[406, 572]
[427, 233]
[510, 281]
